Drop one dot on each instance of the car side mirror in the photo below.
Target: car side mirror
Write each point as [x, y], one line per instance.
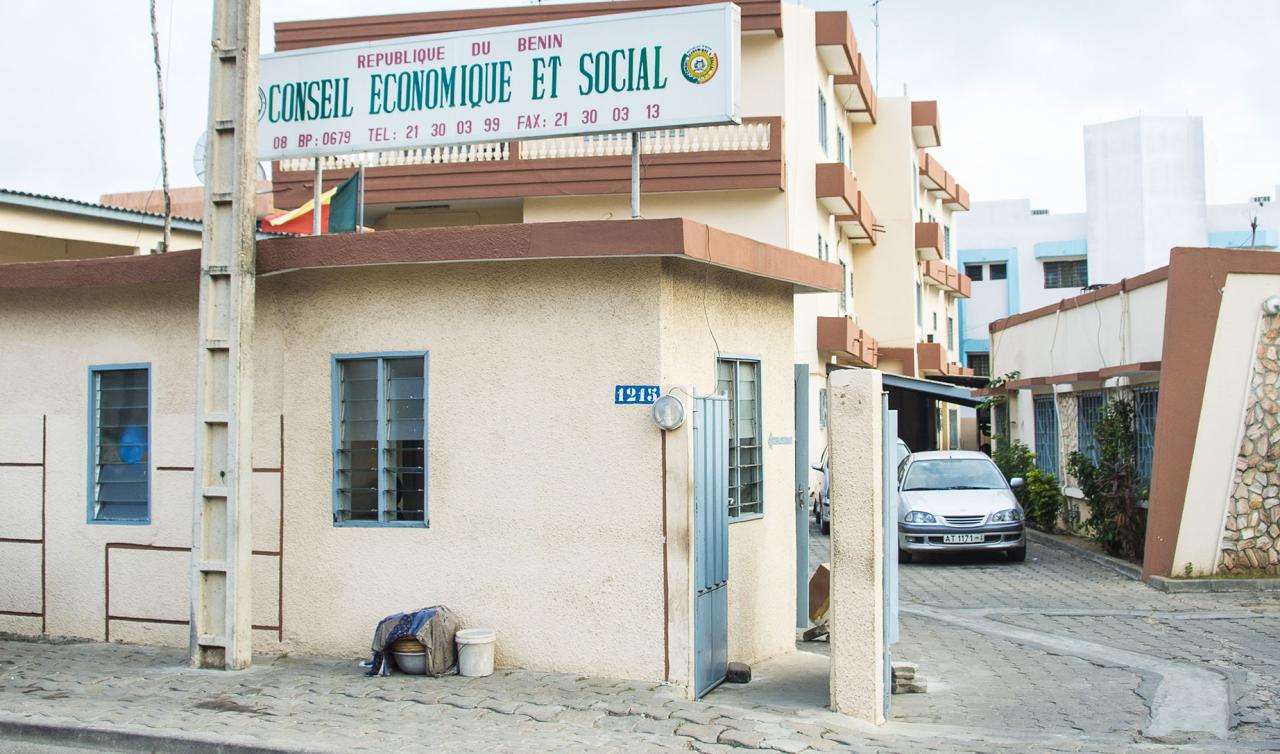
[1017, 482]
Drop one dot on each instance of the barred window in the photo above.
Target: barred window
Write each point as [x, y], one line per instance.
[1146, 402]
[380, 440]
[1089, 407]
[1046, 434]
[1070, 273]
[999, 271]
[739, 379]
[120, 444]
[974, 271]
[980, 363]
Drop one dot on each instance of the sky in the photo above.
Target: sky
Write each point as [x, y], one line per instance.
[1016, 81]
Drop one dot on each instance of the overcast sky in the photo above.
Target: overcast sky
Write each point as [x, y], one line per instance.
[1017, 80]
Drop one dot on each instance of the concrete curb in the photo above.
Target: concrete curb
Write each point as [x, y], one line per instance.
[110, 738]
[1122, 567]
[1183, 586]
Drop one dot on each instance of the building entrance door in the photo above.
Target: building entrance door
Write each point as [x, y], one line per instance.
[711, 542]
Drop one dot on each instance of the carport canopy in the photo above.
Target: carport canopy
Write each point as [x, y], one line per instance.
[931, 389]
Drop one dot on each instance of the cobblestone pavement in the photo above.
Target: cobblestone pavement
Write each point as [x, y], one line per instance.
[986, 693]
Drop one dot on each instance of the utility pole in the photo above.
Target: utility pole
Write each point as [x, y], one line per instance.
[221, 549]
[875, 4]
[164, 160]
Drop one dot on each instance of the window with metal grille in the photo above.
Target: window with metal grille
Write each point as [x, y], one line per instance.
[1089, 407]
[844, 157]
[380, 440]
[1000, 420]
[951, 333]
[1067, 273]
[974, 271]
[999, 271]
[822, 407]
[822, 120]
[739, 379]
[1146, 401]
[980, 363]
[844, 294]
[120, 444]
[946, 241]
[1046, 434]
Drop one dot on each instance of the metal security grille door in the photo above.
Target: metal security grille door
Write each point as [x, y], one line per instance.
[711, 542]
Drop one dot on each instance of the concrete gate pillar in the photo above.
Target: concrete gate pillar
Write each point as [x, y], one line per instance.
[857, 544]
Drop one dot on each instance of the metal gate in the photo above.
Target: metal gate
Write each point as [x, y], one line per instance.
[711, 542]
[889, 467]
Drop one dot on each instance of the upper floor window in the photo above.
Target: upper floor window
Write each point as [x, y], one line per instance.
[980, 363]
[946, 241]
[919, 306]
[739, 379]
[974, 271]
[999, 271]
[380, 439]
[840, 148]
[120, 444]
[844, 294]
[1067, 273]
[822, 120]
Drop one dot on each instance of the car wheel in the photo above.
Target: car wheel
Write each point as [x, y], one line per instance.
[904, 556]
[825, 527]
[1018, 555]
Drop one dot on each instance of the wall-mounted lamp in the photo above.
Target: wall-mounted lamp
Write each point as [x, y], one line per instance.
[1271, 305]
[668, 413]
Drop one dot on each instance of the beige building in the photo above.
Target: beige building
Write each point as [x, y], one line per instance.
[1193, 345]
[36, 228]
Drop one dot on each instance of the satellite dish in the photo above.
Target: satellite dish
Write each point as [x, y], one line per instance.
[198, 159]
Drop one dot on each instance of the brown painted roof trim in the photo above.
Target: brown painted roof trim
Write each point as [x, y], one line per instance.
[1126, 285]
[1125, 370]
[1196, 279]
[476, 243]
[176, 266]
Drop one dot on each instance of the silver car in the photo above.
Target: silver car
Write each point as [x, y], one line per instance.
[953, 500]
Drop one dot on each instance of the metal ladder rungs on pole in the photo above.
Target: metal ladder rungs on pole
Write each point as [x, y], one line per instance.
[214, 491]
[222, 197]
[223, 126]
[210, 640]
[212, 566]
[212, 418]
[214, 344]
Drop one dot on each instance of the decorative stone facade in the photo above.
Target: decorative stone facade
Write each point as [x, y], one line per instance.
[1251, 535]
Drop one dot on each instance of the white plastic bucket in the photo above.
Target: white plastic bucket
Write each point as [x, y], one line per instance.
[475, 651]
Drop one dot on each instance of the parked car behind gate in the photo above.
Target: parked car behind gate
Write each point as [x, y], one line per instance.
[822, 496]
[957, 500]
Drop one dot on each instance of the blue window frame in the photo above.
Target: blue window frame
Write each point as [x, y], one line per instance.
[1146, 402]
[844, 153]
[739, 379]
[822, 120]
[119, 474]
[1046, 434]
[1089, 407]
[380, 468]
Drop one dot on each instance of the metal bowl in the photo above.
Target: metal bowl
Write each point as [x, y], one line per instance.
[413, 663]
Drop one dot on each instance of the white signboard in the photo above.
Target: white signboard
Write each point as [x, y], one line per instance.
[622, 72]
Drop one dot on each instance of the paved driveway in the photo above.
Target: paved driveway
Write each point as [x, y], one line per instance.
[1061, 644]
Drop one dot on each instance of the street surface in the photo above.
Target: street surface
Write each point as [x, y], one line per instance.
[1056, 654]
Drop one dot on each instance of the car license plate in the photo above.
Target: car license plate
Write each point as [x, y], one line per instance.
[963, 539]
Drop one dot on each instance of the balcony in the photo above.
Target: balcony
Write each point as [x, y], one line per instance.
[837, 48]
[942, 275]
[856, 94]
[932, 175]
[959, 202]
[932, 362]
[712, 158]
[929, 240]
[836, 188]
[925, 127]
[850, 344]
[860, 226]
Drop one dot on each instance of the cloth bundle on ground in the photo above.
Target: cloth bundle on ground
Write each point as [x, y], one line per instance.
[434, 626]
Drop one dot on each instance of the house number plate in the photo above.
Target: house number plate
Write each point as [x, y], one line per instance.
[629, 394]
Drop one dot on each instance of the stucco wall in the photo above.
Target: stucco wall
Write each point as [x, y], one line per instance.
[749, 318]
[1220, 428]
[88, 234]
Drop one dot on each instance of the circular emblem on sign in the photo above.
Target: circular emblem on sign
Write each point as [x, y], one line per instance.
[699, 64]
[262, 103]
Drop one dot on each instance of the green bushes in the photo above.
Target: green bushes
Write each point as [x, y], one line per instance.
[1040, 497]
[1112, 484]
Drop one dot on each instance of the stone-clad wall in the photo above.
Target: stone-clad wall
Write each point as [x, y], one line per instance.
[1251, 536]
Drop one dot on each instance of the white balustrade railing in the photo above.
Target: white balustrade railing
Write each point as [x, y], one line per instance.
[733, 138]
[745, 137]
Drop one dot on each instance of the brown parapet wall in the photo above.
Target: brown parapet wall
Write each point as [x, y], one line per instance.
[1196, 278]
[1115, 289]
